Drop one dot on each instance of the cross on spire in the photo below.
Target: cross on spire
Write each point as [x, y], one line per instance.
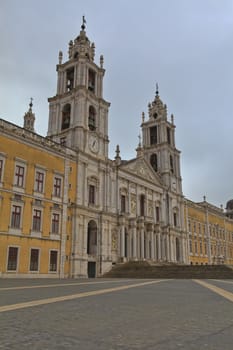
[83, 24]
[30, 104]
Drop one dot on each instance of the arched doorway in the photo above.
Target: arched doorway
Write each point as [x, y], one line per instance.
[91, 248]
[177, 249]
[92, 238]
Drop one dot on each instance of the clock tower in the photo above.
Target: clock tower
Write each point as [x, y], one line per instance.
[78, 114]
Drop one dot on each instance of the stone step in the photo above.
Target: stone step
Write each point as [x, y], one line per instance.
[146, 270]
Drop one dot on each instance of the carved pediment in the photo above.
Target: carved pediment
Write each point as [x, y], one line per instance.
[142, 169]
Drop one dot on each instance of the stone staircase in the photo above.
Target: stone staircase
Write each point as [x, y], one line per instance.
[142, 269]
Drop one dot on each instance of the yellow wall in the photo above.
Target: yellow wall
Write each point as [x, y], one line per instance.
[53, 162]
[216, 234]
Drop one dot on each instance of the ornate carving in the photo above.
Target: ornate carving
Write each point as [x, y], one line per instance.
[133, 204]
[114, 240]
[150, 208]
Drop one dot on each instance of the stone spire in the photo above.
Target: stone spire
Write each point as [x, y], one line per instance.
[117, 157]
[139, 149]
[29, 118]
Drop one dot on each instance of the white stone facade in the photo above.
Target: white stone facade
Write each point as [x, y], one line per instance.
[124, 210]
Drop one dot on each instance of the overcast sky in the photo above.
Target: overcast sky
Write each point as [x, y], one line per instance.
[184, 45]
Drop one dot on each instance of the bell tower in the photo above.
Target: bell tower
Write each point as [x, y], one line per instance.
[159, 144]
[78, 114]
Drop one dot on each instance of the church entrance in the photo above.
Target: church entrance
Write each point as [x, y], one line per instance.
[91, 269]
[92, 238]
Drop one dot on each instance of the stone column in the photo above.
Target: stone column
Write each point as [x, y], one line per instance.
[129, 244]
[155, 246]
[152, 243]
[163, 248]
[168, 247]
[63, 82]
[134, 234]
[142, 242]
[183, 249]
[172, 248]
[122, 253]
[159, 246]
[138, 244]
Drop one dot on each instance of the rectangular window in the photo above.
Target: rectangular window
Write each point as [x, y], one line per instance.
[171, 164]
[55, 223]
[189, 226]
[142, 205]
[169, 136]
[15, 216]
[34, 260]
[19, 176]
[91, 80]
[123, 202]
[194, 227]
[53, 261]
[91, 194]
[36, 221]
[12, 259]
[39, 182]
[196, 249]
[199, 227]
[201, 248]
[157, 213]
[175, 219]
[1, 169]
[57, 187]
[205, 245]
[153, 135]
[190, 245]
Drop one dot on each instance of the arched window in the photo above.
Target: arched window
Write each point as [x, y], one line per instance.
[92, 118]
[91, 80]
[70, 79]
[171, 164]
[66, 117]
[154, 161]
[169, 135]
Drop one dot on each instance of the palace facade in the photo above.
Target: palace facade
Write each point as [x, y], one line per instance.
[68, 210]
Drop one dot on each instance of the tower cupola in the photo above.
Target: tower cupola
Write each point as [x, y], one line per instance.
[81, 47]
[229, 209]
[29, 118]
[157, 109]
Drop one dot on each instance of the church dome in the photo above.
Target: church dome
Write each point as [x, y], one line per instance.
[229, 205]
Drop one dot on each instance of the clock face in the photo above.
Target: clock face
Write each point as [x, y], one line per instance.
[94, 144]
